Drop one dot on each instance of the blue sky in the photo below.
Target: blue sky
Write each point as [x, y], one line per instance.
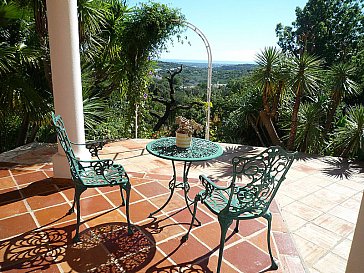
[236, 29]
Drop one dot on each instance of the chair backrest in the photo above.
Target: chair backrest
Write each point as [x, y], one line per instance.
[66, 145]
[265, 171]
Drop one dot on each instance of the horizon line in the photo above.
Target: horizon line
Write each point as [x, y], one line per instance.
[204, 61]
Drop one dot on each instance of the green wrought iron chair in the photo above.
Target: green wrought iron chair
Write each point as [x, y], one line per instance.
[242, 201]
[92, 173]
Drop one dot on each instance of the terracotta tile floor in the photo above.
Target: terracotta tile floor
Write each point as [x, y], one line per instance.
[313, 219]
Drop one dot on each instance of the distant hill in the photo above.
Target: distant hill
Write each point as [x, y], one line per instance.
[194, 73]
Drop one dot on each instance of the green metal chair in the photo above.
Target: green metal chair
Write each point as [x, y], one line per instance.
[242, 201]
[92, 173]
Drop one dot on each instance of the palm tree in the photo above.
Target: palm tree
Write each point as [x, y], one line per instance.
[305, 70]
[349, 138]
[341, 86]
[271, 79]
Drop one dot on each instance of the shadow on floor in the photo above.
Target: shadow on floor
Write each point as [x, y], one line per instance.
[104, 248]
[42, 187]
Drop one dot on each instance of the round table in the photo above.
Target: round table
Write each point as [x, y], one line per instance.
[200, 150]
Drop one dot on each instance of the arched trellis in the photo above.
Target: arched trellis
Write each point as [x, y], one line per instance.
[209, 78]
[209, 73]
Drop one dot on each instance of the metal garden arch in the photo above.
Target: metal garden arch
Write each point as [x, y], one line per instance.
[209, 77]
[209, 73]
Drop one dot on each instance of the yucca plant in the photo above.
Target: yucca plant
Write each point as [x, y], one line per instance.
[309, 130]
[341, 86]
[348, 140]
[271, 78]
[305, 70]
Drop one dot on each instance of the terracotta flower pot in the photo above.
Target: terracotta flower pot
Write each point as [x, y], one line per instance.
[183, 140]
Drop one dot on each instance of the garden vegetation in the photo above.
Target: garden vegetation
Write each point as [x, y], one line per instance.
[306, 94]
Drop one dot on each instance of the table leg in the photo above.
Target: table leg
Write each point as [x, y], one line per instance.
[172, 186]
[186, 188]
[184, 185]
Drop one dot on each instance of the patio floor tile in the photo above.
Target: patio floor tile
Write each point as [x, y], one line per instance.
[331, 263]
[150, 189]
[110, 216]
[45, 200]
[176, 202]
[12, 209]
[69, 193]
[259, 239]
[16, 225]
[254, 260]
[4, 173]
[140, 211]
[285, 244]
[53, 214]
[318, 235]
[162, 229]
[6, 182]
[292, 264]
[309, 251]
[343, 249]
[189, 251]
[88, 205]
[212, 238]
[334, 224]
[29, 177]
[183, 216]
[115, 196]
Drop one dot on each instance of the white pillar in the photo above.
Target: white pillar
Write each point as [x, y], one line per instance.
[66, 76]
[356, 262]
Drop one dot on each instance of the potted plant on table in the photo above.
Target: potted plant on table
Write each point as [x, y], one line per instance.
[186, 128]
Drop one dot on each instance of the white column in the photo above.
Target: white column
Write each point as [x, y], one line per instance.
[66, 76]
[356, 262]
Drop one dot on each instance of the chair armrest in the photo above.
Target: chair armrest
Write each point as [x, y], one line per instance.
[207, 183]
[93, 146]
[101, 167]
[210, 187]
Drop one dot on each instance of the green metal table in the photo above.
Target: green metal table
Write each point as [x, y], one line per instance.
[200, 150]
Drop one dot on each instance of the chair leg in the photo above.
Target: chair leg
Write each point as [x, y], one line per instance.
[78, 192]
[127, 190]
[197, 198]
[122, 196]
[224, 226]
[237, 226]
[268, 216]
[72, 209]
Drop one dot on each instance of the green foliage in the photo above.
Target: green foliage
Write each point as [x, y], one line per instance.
[349, 138]
[116, 44]
[232, 116]
[309, 137]
[305, 71]
[25, 92]
[341, 81]
[331, 30]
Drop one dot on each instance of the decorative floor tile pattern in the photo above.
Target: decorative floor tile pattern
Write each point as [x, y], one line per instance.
[313, 219]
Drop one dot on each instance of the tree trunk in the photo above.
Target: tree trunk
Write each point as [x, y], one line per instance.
[23, 131]
[276, 98]
[163, 118]
[330, 117]
[33, 133]
[170, 104]
[265, 99]
[256, 129]
[294, 124]
[268, 125]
